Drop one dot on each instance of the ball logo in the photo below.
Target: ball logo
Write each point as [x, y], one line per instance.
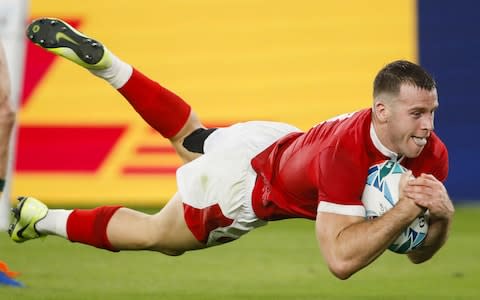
[421, 221]
[411, 240]
[378, 173]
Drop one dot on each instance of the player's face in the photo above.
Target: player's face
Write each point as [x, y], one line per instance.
[411, 119]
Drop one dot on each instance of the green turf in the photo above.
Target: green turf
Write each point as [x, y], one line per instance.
[279, 261]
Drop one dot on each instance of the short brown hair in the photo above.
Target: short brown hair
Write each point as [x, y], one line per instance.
[392, 76]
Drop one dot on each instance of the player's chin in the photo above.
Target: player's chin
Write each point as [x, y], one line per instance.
[413, 151]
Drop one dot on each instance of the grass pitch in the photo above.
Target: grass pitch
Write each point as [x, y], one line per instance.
[279, 261]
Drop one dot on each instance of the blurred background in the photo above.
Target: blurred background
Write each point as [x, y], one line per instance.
[80, 143]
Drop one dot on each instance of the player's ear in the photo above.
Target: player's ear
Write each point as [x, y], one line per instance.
[380, 109]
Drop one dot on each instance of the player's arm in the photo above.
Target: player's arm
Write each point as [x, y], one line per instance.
[430, 193]
[7, 116]
[349, 243]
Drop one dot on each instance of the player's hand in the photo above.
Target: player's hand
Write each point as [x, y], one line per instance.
[403, 196]
[430, 193]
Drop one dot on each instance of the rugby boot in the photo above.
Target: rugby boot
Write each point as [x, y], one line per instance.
[24, 218]
[60, 38]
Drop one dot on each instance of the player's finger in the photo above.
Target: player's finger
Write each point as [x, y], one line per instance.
[425, 190]
[423, 181]
[405, 177]
[434, 184]
[419, 189]
[416, 194]
[421, 200]
[429, 177]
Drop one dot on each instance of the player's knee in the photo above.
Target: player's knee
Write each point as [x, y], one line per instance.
[146, 236]
[159, 238]
[7, 115]
[143, 241]
[161, 247]
[172, 252]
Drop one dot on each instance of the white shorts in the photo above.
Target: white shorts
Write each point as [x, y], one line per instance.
[216, 188]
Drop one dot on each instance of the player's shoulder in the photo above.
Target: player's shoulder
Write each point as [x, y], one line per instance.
[353, 119]
[433, 159]
[341, 138]
[345, 128]
[348, 142]
[436, 147]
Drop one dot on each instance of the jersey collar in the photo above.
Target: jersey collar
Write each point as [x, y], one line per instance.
[380, 147]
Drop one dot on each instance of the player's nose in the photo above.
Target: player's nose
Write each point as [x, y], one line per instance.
[428, 122]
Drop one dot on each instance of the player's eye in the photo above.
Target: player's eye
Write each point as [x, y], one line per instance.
[416, 114]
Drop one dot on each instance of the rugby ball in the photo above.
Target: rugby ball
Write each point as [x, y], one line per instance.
[381, 194]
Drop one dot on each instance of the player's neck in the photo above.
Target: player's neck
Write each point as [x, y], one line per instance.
[380, 141]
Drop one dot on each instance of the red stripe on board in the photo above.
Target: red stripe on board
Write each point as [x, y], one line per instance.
[154, 149]
[154, 170]
[65, 149]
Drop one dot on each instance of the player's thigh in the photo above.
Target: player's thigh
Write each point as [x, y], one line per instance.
[173, 232]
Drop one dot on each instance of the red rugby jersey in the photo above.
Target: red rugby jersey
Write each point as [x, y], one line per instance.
[325, 168]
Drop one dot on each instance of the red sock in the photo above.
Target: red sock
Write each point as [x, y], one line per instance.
[89, 226]
[162, 109]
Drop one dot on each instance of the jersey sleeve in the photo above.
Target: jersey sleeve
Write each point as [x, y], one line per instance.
[340, 180]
